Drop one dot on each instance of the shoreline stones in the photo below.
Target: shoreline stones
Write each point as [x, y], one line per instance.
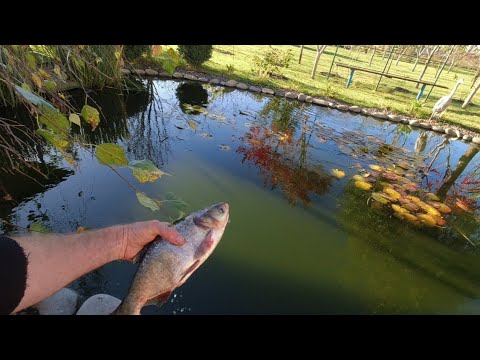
[63, 302]
[457, 134]
[101, 304]
[151, 72]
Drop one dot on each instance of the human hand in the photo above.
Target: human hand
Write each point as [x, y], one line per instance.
[136, 235]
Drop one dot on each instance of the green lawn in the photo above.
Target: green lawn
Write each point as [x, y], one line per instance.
[395, 95]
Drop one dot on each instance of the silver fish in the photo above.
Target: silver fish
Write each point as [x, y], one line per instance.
[166, 267]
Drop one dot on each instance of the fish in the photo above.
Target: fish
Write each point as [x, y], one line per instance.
[165, 267]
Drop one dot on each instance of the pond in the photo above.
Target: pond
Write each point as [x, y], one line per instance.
[303, 238]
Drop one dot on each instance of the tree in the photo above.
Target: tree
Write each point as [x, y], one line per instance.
[320, 50]
[471, 95]
[430, 56]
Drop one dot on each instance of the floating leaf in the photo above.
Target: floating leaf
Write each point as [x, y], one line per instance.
[403, 164]
[392, 193]
[192, 124]
[205, 135]
[37, 227]
[444, 209]
[375, 167]
[399, 209]
[55, 121]
[111, 154]
[427, 219]
[50, 85]
[148, 202]
[358, 178]
[54, 139]
[74, 118]
[398, 215]
[37, 81]
[378, 197]
[433, 197]
[179, 127]
[413, 199]
[431, 210]
[409, 217]
[224, 147]
[463, 206]
[69, 159]
[338, 173]
[145, 170]
[91, 116]
[363, 185]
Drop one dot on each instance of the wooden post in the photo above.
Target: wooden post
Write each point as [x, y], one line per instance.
[373, 54]
[427, 63]
[440, 71]
[301, 53]
[319, 52]
[331, 65]
[391, 52]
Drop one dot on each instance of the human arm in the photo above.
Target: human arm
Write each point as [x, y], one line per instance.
[56, 260]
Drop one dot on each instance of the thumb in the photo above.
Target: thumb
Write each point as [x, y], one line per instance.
[169, 233]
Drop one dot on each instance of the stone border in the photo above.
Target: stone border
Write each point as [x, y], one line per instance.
[455, 134]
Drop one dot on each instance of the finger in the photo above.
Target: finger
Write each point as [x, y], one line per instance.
[169, 233]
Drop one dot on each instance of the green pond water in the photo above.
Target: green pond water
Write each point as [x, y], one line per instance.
[300, 241]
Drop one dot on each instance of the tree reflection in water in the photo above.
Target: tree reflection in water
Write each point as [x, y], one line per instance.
[281, 159]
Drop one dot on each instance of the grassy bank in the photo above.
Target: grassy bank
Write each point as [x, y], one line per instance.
[395, 95]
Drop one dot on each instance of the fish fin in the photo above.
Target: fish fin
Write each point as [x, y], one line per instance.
[205, 246]
[140, 255]
[159, 300]
[189, 271]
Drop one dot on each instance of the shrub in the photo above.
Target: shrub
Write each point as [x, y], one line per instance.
[133, 52]
[195, 54]
[271, 62]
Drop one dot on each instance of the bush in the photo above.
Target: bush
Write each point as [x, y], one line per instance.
[195, 54]
[133, 52]
[271, 62]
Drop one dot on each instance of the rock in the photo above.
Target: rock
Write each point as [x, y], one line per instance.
[308, 99]
[450, 132]
[178, 75]
[254, 89]
[342, 107]
[190, 77]
[425, 125]
[125, 71]
[467, 138]
[164, 74]
[214, 81]
[332, 104]
[203, 79]
[414, 123]
[379, 115]
[458, 134]
[138, 72]
[63, 302]
[231, 83]
[476, 140]
[394, 118]
[301, 97]
[242, 86]
[438, 128]
[290, 95]
[100, 304]
[320, 102]
[355, 109]
[151, 72]
[222, 83]
[268, 91]
[366, 111]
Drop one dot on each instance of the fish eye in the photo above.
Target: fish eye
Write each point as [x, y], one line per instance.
[221, 210]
